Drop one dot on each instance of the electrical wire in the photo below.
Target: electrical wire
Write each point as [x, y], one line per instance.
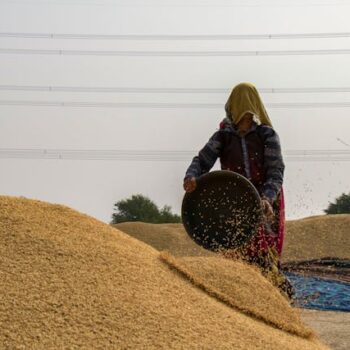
[170, 37]
[156, 155]
[178, 90]
[198, 3]
[168, 53]
[164, 105]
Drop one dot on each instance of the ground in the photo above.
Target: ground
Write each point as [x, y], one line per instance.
[332, 327]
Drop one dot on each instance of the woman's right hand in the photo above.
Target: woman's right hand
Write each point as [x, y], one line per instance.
[190, 184]
[268, 211]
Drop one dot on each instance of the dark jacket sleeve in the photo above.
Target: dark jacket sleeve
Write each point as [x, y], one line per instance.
[206, 157]
[273, 164]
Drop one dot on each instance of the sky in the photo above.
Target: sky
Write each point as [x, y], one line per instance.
[93, 186]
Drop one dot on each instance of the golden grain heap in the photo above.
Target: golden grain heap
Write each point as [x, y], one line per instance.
[309, 238]
[70, 281]
[318, 237]
[170, 237]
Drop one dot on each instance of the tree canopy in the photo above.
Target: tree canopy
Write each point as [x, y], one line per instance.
[141, 208]
[340, 206]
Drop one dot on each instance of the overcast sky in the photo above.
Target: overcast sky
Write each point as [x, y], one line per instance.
[92, 186]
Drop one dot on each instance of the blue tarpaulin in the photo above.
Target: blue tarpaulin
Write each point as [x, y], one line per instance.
[321, 294]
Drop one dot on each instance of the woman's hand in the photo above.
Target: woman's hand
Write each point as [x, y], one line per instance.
[267, 208]
[190, 184]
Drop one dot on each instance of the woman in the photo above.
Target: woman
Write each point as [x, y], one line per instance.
[247, 144]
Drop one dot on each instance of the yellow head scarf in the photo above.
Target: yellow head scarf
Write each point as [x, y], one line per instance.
[245, 98]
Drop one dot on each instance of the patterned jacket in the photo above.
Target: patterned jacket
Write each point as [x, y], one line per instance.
[256, 155]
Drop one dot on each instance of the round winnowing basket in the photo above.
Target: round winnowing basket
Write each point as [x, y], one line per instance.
[223, 212]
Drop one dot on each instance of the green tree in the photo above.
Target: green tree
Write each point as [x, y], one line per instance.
[166, 216]
[340, 206]
[141, 208]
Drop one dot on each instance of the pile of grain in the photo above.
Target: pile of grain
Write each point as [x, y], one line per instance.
[169, 237]
[310, 238]
[317, 237]
[234, 282]
[68, 280]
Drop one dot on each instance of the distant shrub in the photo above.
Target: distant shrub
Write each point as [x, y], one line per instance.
[141, 208]
[341, 205]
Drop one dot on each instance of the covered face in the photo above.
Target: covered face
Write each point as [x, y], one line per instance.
[244, 99]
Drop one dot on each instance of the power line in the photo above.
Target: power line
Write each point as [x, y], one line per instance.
[146, 105]
[133, 53]
[166, 153]
[343, 142]
[175, 37]
[180, 4]
[165, 90]
[154, 155]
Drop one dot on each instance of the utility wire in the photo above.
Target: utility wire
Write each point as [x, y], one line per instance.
[212, 53]
[154, 155]
[181, 4]
[175, 37]
[165, 90]
[166, 153]
[293, 105]
[294, 152]
[343, 142]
